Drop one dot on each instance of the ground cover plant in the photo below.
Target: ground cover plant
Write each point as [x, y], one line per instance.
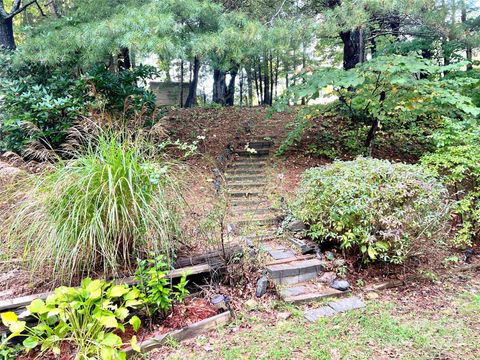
[99, 211]
[373, 208]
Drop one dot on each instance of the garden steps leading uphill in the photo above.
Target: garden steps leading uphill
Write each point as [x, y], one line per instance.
[295, 274]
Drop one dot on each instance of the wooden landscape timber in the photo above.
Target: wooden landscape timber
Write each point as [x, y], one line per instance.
[187, 332]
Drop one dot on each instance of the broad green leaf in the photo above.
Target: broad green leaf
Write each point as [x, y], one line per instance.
[8, 318]
[134, 344]
[111, 340]
[30, 342]
[135, 322]
[108, 321]
[118, 291]
[37, 306]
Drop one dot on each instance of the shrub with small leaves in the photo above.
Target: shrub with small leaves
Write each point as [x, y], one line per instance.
[374, 208]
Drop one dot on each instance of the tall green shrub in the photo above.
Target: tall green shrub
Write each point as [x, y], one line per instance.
[376, 209]
[99, 211]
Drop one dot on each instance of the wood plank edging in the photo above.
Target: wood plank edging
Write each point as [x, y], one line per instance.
[188, 332]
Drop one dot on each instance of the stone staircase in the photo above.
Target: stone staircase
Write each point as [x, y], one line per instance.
[290, 263]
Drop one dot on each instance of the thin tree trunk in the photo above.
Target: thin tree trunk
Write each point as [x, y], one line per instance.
[7, 39]
[277, 64]
[468, 49]
[256, 85]
[124, 59]
[54, 8]
[192, 90]
[230, 98]
[304, 61]
[266, 82]
[260, 82]
[250, 87]
[181, 83]
[271, 78]
[241, 87]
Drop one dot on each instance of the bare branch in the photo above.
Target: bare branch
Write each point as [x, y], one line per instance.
[17, 9]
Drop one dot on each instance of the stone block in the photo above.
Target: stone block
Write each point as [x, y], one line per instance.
[347, 304]
[315, 314]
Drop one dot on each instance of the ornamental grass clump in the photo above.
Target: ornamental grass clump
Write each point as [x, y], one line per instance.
[373, 208]
[100, 210]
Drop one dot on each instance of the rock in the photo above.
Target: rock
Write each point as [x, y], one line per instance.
[285, 315]
[262, 284]
[372, 295]
[341, 285]
[329, 255]
[296, 226]
[328, 277]
[338, 262]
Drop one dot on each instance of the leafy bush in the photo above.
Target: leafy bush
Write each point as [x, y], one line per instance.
[457, 162]
[389, 93]
[86, 317]
[375, 208]
[123, 88]
[153, 281]
[102, 209]
[38, 104]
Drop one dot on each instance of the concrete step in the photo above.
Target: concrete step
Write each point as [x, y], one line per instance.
[309, 292]
[279, 252]
[257, 153]
[242, 202]
[243, 172]
[257, 144]
[257, 160]
[243, 194]
[239, 210]
[241, 186]
[256, 221]
[250, 165]
[252, 178]
[261, 237]
[295, 271]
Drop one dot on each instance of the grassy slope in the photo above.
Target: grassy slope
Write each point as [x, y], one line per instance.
[384, 330]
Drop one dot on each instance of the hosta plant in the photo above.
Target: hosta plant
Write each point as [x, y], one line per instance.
[373, 208]
[88, 317]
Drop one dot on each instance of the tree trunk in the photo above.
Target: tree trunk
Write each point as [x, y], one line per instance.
[374, 127]
[181, 83]
[230, 98]
[219, 92]
[468, 48]
[260, 100]
[54, 8]
[277, 64]
[241, 87]
[250, 87]
[7, 39]
[353, 48]
[266, 83]
[192, 90]
[124, 59]
[271, 79]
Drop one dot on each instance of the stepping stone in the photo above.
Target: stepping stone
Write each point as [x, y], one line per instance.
[281, 254]
[257, 144]
[315, 314]
[307, 292]
[239, 210]
[256, 202]
[347, 304]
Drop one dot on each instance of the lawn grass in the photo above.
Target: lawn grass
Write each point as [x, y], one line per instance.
[378, 332]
